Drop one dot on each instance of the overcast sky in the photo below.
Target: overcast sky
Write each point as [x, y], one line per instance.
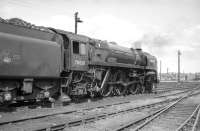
[162, 26]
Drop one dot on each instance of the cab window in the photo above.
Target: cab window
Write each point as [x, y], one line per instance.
[79, 48]
[82, 49]
[75, 47]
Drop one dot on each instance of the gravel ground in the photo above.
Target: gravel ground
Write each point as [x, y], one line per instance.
[109, 123]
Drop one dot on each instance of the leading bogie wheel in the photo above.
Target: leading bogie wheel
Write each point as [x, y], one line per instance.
[133, 89]
[140, 88]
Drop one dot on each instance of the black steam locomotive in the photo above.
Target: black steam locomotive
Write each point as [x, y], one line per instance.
[38, 63]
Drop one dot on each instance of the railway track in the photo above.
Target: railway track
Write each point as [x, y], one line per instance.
[176, 92]
[71, 118]
[62, 120]
[163, 90]
[192, 123]
[174, 86]
[175, 116]
[124, 121]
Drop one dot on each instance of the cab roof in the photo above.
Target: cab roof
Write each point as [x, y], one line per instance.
[73, 36]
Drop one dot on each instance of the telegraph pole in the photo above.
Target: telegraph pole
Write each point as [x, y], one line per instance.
[160, 69]
[179, 53]
[77, 20]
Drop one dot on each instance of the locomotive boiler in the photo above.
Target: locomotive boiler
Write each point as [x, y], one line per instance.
[38, 63]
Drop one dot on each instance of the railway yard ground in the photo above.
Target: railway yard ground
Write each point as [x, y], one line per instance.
[173, 107]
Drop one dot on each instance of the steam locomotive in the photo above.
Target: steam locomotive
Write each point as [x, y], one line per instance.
[39, 63]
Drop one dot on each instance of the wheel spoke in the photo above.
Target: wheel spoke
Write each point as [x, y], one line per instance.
[139, 88]
[119, 90]
[107, 91]
[133, 89]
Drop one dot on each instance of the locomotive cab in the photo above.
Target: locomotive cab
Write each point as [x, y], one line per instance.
[79, 55]
[75, 51]
[75, 57]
